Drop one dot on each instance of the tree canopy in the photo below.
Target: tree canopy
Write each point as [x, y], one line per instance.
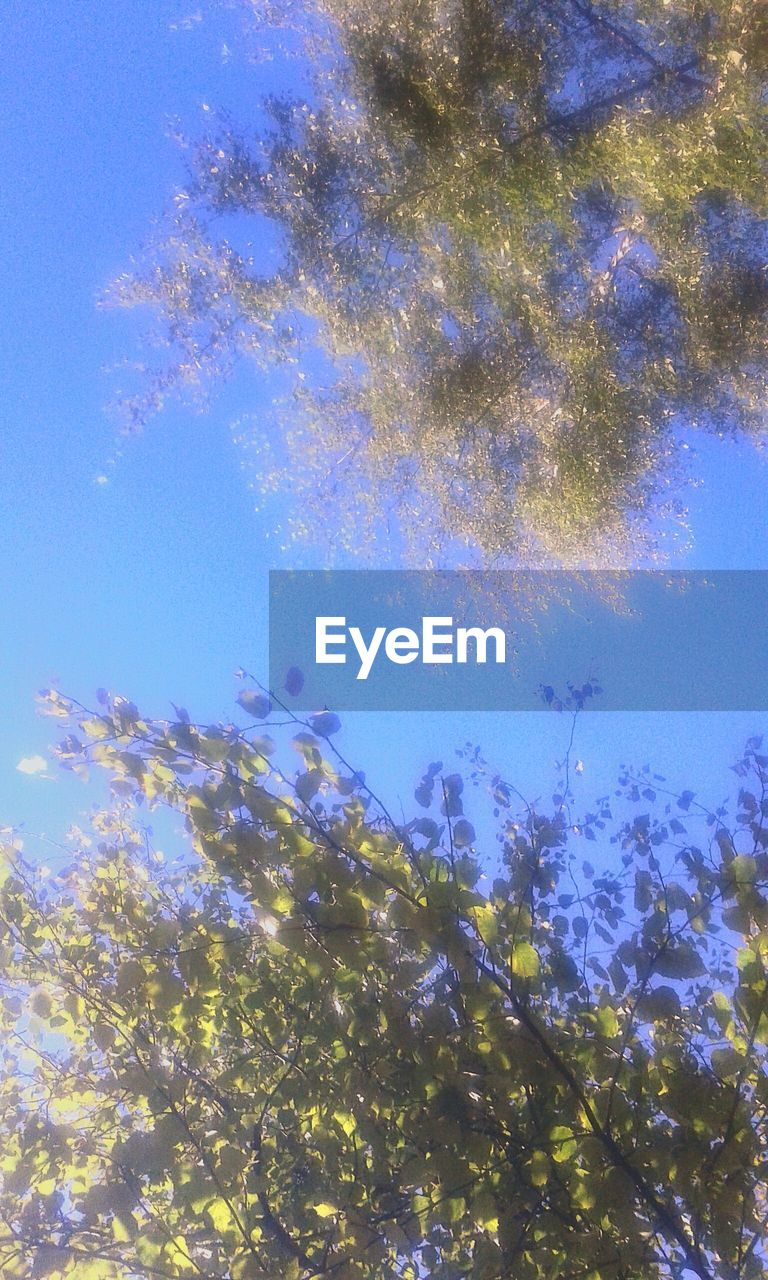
[320, 1043]
[517, 248]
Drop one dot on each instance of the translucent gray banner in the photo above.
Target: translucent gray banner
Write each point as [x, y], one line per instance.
[520, 640]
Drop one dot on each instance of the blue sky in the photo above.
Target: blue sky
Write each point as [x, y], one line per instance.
[154, 584]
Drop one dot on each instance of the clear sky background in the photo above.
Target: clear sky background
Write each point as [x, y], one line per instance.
[154, 584]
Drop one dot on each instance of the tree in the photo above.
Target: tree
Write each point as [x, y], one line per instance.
[318, 1045]
[519, 246]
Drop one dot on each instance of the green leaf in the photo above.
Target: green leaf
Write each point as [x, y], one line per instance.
[255, 703]
[524, 960]
[680, 961]
[563, 1144]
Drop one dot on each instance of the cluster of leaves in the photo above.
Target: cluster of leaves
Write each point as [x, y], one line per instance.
[317, 1045]
[518, 245]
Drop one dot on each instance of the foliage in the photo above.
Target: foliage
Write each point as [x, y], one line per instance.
[515, 247]
[319, 1045]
